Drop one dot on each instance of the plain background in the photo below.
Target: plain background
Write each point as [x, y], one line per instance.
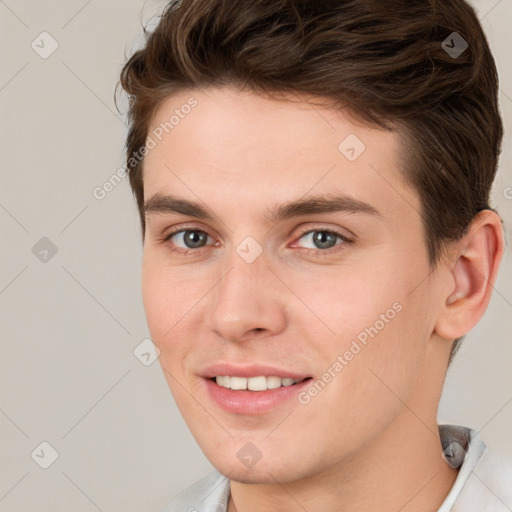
[70, 324]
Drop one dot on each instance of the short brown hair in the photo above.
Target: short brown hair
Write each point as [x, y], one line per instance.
[383, 61]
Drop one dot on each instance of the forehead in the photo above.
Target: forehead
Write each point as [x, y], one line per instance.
[251, 149]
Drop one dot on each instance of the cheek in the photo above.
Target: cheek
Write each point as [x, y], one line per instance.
[344, 301]
[164, 306]
[369, 315]
[383, 342]
[166, 295]
[157, 301]
[173, 301]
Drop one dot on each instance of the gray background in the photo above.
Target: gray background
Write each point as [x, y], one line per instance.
[70, 324]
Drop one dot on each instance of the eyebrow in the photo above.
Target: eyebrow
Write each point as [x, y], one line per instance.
[325, 203]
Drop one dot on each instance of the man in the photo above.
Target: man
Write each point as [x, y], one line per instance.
[313, 182]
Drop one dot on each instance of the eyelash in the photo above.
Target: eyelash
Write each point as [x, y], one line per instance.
[317, 252]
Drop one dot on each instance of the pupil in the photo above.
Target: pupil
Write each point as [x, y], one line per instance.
[323, 239]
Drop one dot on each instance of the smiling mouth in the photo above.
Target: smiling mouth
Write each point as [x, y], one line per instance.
[259, 383]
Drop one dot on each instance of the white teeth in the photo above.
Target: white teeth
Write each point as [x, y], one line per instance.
[257, 383]
[238, 383]
[273, 382]
[224, 381]
[260, 383]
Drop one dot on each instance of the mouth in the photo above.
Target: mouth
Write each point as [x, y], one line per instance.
[256, 384]
[252, 396]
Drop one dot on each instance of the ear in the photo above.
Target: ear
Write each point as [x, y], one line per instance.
[473, 266]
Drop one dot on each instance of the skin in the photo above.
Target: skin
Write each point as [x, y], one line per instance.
[369, 439]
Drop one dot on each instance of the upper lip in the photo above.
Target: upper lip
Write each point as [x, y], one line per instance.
[250, 370]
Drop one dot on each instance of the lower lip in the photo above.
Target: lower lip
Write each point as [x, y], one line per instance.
[252, 402]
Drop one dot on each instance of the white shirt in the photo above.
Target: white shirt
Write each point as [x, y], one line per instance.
[483, 483]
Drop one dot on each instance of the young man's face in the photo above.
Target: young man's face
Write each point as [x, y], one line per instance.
[288, 292]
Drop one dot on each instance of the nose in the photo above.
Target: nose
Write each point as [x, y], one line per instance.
[249, 302]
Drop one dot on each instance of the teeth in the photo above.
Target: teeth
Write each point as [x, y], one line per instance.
[260, 383]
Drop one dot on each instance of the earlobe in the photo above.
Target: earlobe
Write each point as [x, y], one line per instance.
[472, 276]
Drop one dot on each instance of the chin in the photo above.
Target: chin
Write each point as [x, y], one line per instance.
[248, 476]
[269, 472]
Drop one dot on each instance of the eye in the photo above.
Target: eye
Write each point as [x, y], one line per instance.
[323, 240]
[188, 238]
